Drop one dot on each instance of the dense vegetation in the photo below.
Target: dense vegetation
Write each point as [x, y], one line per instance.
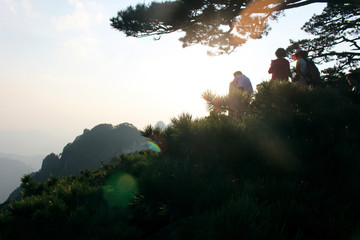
[225, 25]
[286, 167]
[334, 39]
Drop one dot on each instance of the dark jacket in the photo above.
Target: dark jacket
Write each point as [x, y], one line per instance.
[280, 69]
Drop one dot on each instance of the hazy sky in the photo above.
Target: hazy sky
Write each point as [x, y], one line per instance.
[63, 68]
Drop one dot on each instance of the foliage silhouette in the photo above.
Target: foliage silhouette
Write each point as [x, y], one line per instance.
[335, 38]
[287, 169]
[220, 24]
[235, 103]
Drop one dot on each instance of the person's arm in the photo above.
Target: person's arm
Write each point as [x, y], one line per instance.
[288, 69]
[271, 69]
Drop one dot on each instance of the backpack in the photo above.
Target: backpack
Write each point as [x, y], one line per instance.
[312, 72]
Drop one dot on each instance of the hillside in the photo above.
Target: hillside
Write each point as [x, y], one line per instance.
[93, 147]
[286, 167]
[89, 151]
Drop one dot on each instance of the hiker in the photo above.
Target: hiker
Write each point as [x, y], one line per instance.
[280, 67]
[300, 68]
[306, 72]
[241, 81]
[240, 84]
[354, 80]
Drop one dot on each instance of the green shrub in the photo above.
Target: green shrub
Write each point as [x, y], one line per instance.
[287, 167]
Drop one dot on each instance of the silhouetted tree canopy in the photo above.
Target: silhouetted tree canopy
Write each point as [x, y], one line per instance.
[220, 24]
[336, 35]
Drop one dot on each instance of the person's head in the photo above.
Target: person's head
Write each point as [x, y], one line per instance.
[280, 53]
[299, 54]
[237, 73]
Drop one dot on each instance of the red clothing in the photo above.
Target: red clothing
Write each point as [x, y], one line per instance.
[280, 69]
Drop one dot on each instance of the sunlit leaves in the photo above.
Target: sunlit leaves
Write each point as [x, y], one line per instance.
[223, 25]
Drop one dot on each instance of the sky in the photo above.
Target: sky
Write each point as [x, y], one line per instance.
[63, 68]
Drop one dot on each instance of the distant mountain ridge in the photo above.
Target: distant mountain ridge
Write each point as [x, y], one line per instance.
[33, 161]
[89, 150]
[10, 173]
[29, 143]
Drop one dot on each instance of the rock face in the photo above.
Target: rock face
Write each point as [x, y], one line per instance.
[51, 163]
[98, 145]
[94, 146]
[90, 149]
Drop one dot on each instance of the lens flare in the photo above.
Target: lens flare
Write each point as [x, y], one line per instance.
[152, 145]
[119, 189]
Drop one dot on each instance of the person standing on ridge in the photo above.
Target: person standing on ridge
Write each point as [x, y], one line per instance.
[301, 68]
[241, 81]
[280, 67]
[239, 84]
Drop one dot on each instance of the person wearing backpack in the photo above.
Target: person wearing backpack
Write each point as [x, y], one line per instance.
[280, 67]
[306, 72]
